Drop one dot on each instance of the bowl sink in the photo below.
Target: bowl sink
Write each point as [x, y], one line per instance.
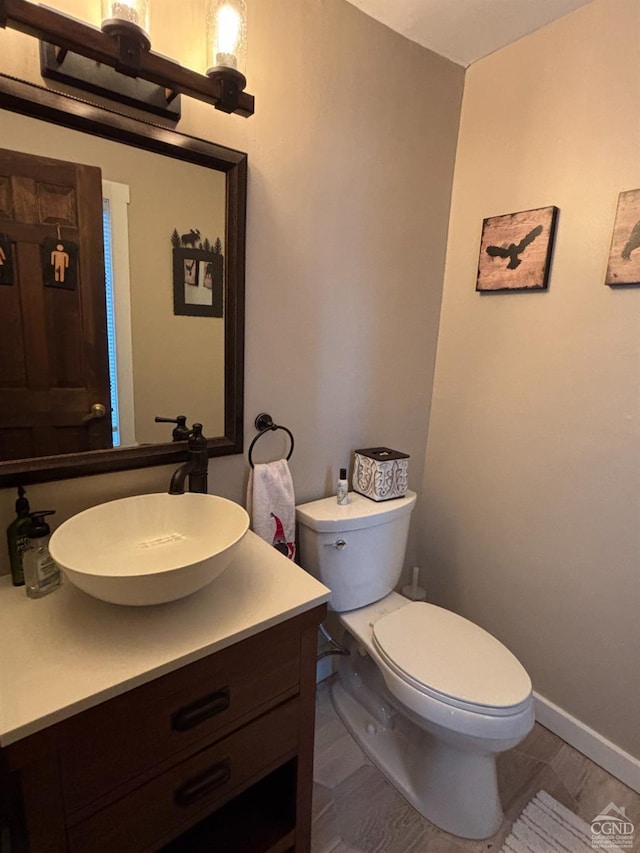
[149, 549]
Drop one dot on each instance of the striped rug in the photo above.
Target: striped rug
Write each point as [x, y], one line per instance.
[546, 826]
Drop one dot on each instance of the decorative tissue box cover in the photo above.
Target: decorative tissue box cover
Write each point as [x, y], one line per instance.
[380, 473]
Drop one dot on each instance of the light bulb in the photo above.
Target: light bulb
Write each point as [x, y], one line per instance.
[227, 35]
[125, 15]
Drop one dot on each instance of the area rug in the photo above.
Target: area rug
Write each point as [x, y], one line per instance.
[546, 826]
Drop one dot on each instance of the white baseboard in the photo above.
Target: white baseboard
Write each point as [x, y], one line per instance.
[601, 751]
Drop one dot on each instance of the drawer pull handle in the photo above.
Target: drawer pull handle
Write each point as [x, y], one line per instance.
[199, 787]
[201, 710]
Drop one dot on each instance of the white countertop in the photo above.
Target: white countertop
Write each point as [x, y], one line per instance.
[67, 652]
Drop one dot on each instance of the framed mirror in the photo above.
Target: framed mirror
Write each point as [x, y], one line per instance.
[183, 254]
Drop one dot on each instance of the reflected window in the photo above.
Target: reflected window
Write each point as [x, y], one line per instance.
[115, 222]
[111, 321]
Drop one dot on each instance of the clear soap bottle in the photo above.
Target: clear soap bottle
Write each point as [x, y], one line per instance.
[41, 574]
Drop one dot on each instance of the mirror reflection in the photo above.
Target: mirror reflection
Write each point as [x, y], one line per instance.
[158, 358]
[161, 236]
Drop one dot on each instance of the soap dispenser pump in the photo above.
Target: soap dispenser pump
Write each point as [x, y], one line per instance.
[18, 537]
[41, 574]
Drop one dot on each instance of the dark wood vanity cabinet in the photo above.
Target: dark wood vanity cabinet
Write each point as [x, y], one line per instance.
[216, 756]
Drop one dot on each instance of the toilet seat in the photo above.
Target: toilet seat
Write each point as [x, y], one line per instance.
[452, 660]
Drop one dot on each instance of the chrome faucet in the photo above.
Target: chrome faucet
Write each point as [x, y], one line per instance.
[195, 467]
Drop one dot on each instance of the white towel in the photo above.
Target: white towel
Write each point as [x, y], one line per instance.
[271, 505]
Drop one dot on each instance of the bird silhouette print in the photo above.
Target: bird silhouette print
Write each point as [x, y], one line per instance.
[632, 243]
[512, 251]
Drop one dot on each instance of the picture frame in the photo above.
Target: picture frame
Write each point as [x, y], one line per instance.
[198, 278]
[623, 267]
[516, 250]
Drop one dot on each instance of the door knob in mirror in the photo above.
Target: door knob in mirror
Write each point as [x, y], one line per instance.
[96, 412]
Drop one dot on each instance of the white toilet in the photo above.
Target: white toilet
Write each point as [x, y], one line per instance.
[430, 697]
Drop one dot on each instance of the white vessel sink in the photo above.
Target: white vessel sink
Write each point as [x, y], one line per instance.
[149, 549]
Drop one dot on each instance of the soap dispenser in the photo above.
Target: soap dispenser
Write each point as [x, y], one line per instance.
[41, 574]
[18, 537]
[342, 493]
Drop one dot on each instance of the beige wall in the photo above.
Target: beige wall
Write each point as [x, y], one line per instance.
[351, 154]
[530, 510]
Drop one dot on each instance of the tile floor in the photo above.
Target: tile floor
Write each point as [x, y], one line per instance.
[355, 810]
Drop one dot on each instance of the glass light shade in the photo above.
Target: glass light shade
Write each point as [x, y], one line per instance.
[126, 15]
[226, 35]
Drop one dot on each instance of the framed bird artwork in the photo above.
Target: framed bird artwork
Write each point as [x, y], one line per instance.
[624, 256]
[515, 251]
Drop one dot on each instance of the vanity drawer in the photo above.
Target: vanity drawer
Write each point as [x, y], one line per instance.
[124, 741]
[180, 797]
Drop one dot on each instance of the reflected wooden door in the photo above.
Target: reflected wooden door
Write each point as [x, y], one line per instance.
[53, 341]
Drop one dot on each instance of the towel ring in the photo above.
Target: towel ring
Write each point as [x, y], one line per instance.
[264, 424]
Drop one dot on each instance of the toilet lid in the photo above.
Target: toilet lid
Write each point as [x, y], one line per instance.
[445, 655]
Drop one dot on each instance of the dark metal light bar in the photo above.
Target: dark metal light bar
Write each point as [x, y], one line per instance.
[78, 37]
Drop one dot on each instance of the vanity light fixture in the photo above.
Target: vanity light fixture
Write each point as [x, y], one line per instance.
[117, 61]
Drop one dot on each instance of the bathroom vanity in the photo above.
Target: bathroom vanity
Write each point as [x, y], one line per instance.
[180, 727]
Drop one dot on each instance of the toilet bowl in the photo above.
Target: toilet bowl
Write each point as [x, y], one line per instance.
[443, 725]
[430, 697]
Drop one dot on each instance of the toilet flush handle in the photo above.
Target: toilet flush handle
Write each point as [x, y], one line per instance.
[340, 544]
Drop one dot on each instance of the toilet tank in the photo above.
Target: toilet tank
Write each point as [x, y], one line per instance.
[357, 550]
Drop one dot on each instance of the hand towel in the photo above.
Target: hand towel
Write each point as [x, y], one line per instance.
[271, 505]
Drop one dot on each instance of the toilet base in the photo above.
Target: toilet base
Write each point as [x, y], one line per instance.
[454, 789]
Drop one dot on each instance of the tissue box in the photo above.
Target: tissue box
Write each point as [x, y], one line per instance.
[380, 473]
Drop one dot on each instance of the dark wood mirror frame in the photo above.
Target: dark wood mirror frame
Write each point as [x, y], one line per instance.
[47, 105]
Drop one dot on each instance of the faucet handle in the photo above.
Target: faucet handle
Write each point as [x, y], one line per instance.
[182, 431]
